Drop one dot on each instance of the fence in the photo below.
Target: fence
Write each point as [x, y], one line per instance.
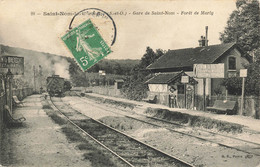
[20, 93]
[163, 98]
[106, 90]
[251, 103]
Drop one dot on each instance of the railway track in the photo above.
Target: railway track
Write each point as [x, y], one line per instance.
[131, 151]
[204, 135]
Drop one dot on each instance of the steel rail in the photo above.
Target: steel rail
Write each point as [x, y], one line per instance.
[203, 130]
[84, 132]
[200, 138]
[175, 123]
[138, 141]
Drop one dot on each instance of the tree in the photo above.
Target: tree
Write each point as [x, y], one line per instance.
[243, 26]
[134, 86]
[116, 69]
[233, 85]
[76, 75]
[147, 58]
[94, 68]
[253, 79]
[252, 84]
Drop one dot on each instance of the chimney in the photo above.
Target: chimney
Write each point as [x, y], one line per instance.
[202, 41]
[206, 40]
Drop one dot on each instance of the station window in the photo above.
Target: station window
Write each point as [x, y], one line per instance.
[232, 63]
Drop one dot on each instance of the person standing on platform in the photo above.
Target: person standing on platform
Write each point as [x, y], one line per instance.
[172, 97]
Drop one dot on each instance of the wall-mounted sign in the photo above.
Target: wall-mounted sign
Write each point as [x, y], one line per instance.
[243, 72]
[184, 79]
[209, 70]
[14, 63]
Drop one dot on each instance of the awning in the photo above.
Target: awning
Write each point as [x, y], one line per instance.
[170, 77]
[165, 78]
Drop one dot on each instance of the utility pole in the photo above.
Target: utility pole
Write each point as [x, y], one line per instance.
[34, 78]
[9, 77]
[243, 94]
[85, 84]
[204, 94]
[243, 74]
[40, 78]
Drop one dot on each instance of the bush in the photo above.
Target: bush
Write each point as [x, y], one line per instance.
[233, 85]
[134, 87]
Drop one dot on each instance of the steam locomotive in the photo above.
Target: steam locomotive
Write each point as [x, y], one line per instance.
[56, 85]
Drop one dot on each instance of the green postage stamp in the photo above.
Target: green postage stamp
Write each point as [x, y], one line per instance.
[86, 44]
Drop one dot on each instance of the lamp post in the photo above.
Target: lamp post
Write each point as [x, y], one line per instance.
[9, 78]
[34, 78]
[40, 78]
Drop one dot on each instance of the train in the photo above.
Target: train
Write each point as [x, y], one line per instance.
[56, 85]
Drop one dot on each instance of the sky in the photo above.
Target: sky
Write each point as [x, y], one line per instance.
[136, 29]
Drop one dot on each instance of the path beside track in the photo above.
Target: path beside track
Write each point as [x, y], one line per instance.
[38, 141]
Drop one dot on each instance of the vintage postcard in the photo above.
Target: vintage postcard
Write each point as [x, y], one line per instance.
[130, 83]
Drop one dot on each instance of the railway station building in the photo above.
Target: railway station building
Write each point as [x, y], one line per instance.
[180, 62]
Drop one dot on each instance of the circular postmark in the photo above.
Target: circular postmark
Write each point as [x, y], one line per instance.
[102, 21]
[91, 37]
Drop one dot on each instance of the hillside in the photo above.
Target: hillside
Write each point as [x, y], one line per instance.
[115, 66]
[40, 65]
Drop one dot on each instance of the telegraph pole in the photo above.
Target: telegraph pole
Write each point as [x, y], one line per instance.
[40, 78]
[204, 94]
[9, 77]
[34, 78]
[243, 74]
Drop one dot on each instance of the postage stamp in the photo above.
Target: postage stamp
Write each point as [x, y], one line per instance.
[86, 44]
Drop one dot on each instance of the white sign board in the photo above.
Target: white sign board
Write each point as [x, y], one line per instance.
[184, 79]
[102, 72]
[243, 72]
[14, 63]
[209, 70]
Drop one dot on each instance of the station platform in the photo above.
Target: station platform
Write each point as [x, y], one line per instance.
[38, 141]
[249, 123]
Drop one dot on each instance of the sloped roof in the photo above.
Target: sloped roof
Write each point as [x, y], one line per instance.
[164, 78]
[189, 56]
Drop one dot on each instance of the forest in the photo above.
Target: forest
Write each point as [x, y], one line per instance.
[39, 65]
